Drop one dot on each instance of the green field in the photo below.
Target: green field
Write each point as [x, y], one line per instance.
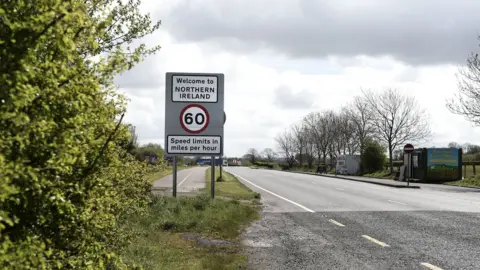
[469, 170]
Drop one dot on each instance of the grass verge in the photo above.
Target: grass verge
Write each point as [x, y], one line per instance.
[229, 186]
[473, 181]
[160, 244]
[382, 175]
[169, 234]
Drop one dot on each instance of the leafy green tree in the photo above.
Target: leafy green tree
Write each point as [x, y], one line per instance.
[373, 157]
[148, 150]
[65, 179]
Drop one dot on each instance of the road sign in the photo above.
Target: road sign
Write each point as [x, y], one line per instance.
[408, 148]
[194, 118]
[194, 114]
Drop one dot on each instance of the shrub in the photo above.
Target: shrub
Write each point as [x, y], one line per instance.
[66, 177]
[284, 166]
[373, 157]
[268, 165]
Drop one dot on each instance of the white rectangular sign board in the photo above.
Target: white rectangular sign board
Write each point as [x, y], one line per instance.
[194, 89]
[194, 114]
[202, 144]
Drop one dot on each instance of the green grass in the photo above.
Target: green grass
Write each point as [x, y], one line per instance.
[160, 245]
[229, 186]
[469, 171]
[467, 182]
[158, 241]
[382, 174]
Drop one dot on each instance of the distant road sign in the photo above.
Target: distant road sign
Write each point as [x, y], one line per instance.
[194, 114]
[408, 148]
[194, 118]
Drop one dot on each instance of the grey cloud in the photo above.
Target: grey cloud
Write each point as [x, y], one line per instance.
[416, 32]
[285, 98]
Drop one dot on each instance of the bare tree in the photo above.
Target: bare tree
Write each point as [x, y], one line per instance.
[467, 101]
[269, 154]
[317, 123]
[300, 140]
[361, 116]
[346, 131]
[286, 144]
[397, 119]
[309, 146]
[454, 145]
[252, 155]
[332, 135]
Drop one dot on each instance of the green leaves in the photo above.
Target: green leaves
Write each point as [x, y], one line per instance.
[58, 109]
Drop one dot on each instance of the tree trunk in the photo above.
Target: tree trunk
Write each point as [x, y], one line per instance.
[390, 153]
[300, 158]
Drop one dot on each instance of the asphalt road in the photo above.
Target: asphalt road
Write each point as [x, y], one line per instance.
[188, 181]
[315, 222]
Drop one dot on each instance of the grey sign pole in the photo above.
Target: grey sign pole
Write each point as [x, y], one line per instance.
[212, 185]
[409, 168]
[174, 184]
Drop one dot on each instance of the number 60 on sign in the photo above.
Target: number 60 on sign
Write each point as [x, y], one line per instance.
[194, 118]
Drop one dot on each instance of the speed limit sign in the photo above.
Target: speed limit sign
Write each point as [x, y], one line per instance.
[194, 118]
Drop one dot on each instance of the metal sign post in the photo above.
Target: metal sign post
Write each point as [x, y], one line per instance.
[194, 115]
[409, 168]
[408, 148]
[174, 174]
[212, 184]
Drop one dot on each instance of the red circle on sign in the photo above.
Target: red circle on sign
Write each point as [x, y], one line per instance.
[206, 118]
[408, 148]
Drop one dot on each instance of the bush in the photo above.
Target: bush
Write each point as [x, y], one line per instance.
[268, 165]
[373, 157]
[66, 175]
[284, 166]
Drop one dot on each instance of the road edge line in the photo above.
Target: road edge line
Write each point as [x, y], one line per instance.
[274, 194]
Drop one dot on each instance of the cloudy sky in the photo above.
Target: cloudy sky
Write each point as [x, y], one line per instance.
[285, 58]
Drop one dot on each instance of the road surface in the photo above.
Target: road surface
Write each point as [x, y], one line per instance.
[314, 222]
[189, 181]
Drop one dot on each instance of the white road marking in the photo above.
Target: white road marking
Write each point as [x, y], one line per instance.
[336, 223]
[431, 266]
[313, 182]
[396, 202]
[375, 241]
[184, 179]
[340, 188]
[274, 194]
